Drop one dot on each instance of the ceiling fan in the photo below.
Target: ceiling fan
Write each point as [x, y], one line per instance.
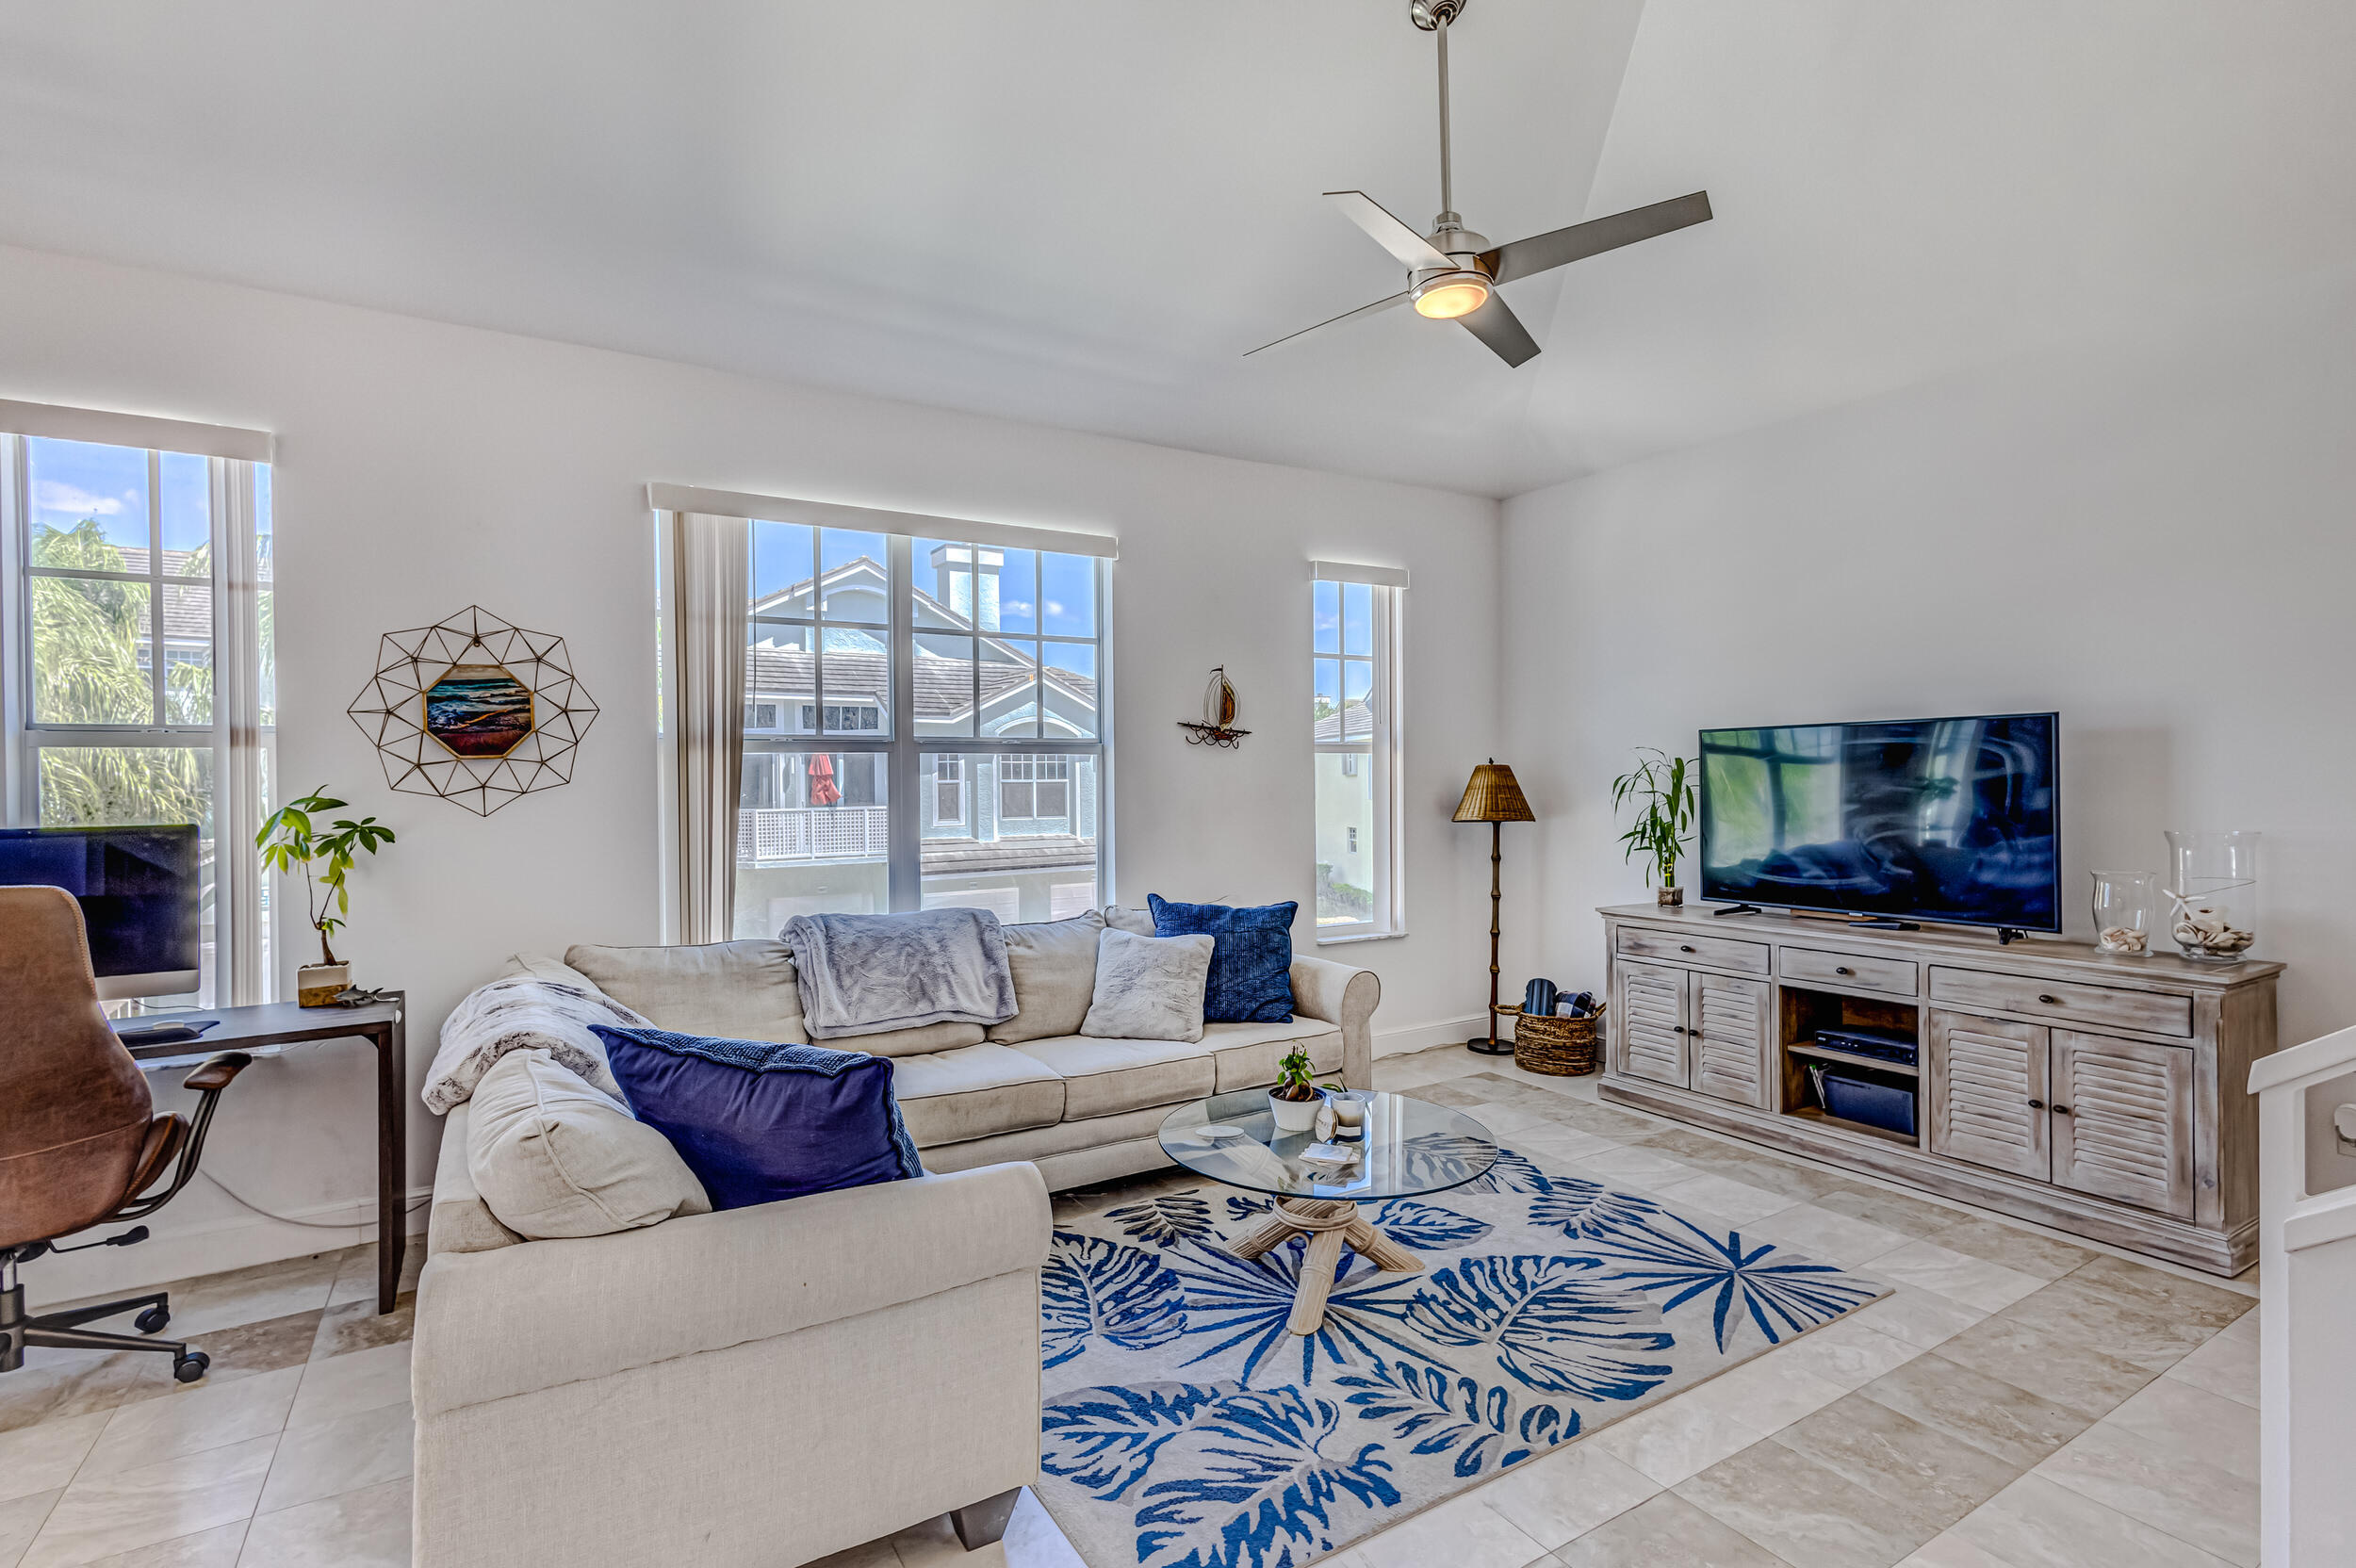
[1453, 273]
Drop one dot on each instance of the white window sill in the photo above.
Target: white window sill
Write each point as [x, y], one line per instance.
[1360, 937]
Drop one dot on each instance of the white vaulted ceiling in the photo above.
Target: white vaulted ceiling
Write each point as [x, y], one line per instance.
[1081, 212]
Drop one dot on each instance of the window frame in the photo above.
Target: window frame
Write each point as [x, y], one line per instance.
[233, 515]
[1378, 751]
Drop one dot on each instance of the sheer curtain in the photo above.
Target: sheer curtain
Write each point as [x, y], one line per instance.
[237, 797]
[708, 611]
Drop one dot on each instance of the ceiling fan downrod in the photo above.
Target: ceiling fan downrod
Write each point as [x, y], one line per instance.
[1434, 16]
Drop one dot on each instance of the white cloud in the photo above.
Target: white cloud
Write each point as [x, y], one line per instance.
[56, 496]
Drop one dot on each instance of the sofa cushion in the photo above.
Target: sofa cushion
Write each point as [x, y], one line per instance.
[1102, 1076]
[732, 990]
[540, 966]
[918, 1041]
[550, 1156]
[758, 1122]
[1251, 956]
[1245, 1054]
[1138, 923]
[1055, 977]
[973, 1091]
[1148, 988]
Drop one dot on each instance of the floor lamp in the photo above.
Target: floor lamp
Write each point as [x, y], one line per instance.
[1494, 798]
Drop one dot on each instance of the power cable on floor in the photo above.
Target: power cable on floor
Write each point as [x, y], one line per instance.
[288, 1219]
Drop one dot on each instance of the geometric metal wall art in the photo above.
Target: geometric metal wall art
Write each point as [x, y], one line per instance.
[474, 709]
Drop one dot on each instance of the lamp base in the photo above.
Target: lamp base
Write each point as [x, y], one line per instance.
[1484, 1045]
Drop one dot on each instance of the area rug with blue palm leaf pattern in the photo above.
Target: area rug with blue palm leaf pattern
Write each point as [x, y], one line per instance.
[1184, 1427]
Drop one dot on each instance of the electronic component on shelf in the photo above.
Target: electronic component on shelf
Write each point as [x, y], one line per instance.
[1883, 1045]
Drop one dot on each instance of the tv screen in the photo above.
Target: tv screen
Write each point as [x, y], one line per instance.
[138, 887]
[1952, 820]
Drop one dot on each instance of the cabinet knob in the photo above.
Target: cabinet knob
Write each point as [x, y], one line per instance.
[2061, 1110]
[1685, 947]
[2048, 1000]
[2036, 1104]
[1843, 969]
[1676, 1028]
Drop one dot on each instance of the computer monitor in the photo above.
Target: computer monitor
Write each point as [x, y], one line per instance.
[140, 892]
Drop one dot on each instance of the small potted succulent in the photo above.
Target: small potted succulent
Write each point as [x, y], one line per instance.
[1294, 1102]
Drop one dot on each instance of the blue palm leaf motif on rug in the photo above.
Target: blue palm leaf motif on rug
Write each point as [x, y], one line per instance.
[1166, 1221]
[1780, 1292]
[1478, 1425]
[1440, 1160]
[1427, 1227]
[1232, 1304]
[1223, 1477]
[1240, 1208]
[1092, 1286]
[1551, 1322]
[1588, 1211]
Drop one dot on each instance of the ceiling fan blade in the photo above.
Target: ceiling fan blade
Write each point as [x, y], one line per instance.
[1497, 325]
[1398, 298]
[1519, 258]
[1406, 246]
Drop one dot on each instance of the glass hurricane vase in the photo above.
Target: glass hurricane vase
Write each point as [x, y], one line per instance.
[2213, 904]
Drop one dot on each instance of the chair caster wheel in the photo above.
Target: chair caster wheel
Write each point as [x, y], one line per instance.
[152, 1320]
[191, 1366]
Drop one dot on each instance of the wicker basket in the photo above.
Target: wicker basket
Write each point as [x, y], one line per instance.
[1558, 1046]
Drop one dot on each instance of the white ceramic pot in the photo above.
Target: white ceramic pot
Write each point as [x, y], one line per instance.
[1294, 1116]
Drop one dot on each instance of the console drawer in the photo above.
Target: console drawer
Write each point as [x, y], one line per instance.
[1850, 970]
[2142, 1011]
[1676, 947]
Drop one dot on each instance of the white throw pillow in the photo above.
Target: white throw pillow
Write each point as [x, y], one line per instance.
[1149, 987]
[552, 1155]
[1055, 977]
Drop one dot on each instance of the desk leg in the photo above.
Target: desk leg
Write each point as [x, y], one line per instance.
[392, 1157]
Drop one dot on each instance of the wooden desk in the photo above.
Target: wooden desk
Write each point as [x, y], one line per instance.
[384, 1024]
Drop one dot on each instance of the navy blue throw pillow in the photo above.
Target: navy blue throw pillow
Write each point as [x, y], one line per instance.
[756, 1121]
[1251, 956]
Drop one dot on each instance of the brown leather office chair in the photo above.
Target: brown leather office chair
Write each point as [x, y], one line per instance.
[79, 1142]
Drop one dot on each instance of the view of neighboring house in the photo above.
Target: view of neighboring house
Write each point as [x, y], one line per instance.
[1007, 827]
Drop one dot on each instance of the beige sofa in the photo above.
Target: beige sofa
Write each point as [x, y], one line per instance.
[769, 1386]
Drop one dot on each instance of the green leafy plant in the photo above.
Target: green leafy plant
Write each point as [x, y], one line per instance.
[1295, 1078]
[1663, 787]
[290, 840]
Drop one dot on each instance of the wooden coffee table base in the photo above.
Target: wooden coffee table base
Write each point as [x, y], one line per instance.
[1327, 1224]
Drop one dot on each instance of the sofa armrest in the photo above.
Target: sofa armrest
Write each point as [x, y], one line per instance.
[491, 1325]
[459, 1221]
[1346, 997]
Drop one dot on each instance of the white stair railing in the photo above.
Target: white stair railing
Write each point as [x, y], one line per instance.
[2306, 1304]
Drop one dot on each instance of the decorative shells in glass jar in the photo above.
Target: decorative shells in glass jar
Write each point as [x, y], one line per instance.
[2122, 911]
[2216, 895]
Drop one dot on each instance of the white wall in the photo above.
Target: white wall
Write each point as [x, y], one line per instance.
[2152, 536]
[422, 467]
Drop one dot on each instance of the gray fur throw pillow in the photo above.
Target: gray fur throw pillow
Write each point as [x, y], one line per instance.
[1148, 988]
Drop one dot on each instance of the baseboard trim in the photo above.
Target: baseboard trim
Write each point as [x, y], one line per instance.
[237, 1241]
[1423, 1036]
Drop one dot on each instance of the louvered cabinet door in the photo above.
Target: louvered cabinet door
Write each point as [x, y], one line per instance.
[2123, 1121]
[1984, 1080]
[1729, 1038]
[1650, 1032]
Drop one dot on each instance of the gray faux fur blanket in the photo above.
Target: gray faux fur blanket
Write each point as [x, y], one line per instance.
[861, 974]
[523, 1013]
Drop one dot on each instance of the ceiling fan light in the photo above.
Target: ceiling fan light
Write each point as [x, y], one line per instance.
[1450, 295]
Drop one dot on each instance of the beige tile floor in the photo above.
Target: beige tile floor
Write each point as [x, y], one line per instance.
[2022, 1401]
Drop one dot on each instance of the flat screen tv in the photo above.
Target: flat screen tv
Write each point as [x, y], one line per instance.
[1949, 819]
[140, 894]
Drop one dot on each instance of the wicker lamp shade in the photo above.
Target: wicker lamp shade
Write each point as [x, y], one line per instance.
[1492, 796]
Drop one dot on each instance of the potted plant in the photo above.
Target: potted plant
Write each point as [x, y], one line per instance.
[1295, 1100]
[1663, 787]
[288, 841]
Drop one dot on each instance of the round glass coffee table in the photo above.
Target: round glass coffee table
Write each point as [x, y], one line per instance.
[1410, 1146]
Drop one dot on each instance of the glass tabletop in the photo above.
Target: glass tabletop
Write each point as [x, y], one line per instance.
[1410, 1146]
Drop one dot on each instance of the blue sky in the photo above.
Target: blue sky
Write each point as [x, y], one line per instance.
[73, 479]
[1051, 594]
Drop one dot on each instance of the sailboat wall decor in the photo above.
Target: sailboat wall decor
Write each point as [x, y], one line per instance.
[1216, 726]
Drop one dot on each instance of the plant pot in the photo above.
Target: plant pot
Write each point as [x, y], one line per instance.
[1294, 1116]
[1669, 895]
[319, 985]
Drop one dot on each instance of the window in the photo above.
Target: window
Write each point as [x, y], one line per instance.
[123, 684]
[1353, 728]
[957, 675]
